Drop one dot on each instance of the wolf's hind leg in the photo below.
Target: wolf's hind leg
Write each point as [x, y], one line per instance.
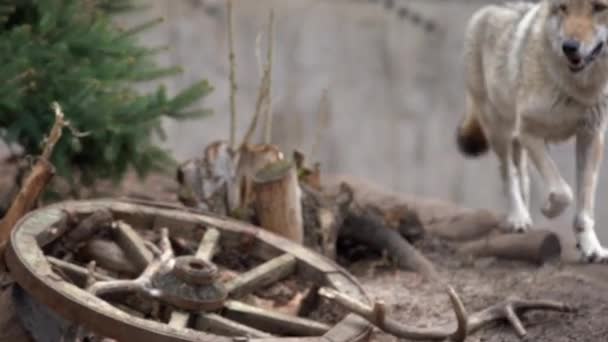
[518, 218]
[520, 158]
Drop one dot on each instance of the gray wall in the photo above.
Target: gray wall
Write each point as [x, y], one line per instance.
[396, 92]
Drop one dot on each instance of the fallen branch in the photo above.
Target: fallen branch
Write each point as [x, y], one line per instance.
[34, 183]
[507, 310]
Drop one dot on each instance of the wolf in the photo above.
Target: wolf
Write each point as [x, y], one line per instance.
[537, 74]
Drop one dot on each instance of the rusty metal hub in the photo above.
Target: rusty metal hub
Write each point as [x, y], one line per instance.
[191, 285]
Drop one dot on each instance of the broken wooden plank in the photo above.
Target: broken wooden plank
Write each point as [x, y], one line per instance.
[273, 322]
[209, 244]
[217, 324]
[179, 319]
[133, 245]
[262, 275]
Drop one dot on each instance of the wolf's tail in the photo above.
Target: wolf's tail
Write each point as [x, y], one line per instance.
[470, 137]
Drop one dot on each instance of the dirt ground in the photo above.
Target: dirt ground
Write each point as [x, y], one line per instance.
[484, 282]
[480, 283]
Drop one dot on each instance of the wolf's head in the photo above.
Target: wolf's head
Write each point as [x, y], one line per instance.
[578, 31]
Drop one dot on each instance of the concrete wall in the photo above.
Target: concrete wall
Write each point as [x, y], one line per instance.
[396, 92]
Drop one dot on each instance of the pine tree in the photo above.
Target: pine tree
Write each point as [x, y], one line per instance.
[72, 52]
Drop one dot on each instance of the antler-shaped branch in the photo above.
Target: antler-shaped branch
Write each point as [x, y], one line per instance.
[377, 316]
[506, 310]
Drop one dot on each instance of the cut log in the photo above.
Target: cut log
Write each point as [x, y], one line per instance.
[265, 274]
[277, 200]
[535, 247]
[273, 322]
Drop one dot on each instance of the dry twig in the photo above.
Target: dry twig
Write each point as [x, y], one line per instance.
[264, 93]
[268, 112]
[233, 86]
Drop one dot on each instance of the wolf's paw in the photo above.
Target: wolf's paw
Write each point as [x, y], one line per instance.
[590, 249]
[519, 222]
[557, 202]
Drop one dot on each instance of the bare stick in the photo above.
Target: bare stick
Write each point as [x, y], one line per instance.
[233, 86]
[466, 325]
[35, 182]
[268, 112]
[264, 92]
[322, 121]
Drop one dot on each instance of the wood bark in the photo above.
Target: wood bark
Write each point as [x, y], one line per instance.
[277, 200]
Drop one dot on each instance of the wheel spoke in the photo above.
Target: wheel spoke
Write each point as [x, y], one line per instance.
[208, 244]
[179, 319]
[273, 322]
[78, 273]
[217, 324]
[133, 245]
[262, 275]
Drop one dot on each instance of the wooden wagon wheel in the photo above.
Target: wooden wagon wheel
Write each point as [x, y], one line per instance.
[219, 319]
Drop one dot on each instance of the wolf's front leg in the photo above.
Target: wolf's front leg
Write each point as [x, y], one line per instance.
[559, 192]
[589, 151]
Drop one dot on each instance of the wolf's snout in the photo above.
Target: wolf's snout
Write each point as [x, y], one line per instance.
[571, 49]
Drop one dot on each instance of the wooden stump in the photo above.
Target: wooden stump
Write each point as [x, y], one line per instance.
[277, 200]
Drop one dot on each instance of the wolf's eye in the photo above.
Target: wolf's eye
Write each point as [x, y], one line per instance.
[599, 7]
[563, 8]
